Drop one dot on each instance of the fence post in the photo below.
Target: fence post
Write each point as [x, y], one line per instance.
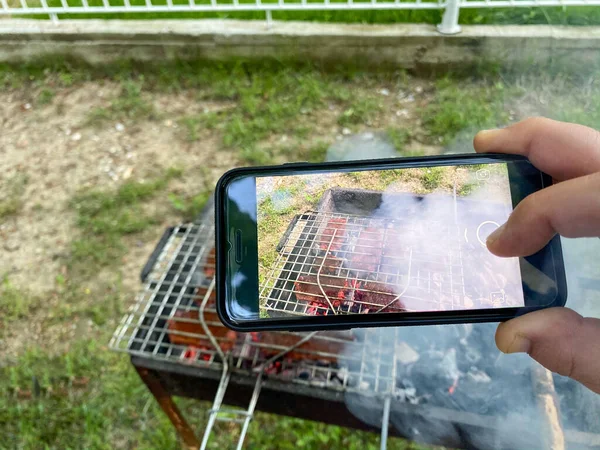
[269, 17]
[449, 23]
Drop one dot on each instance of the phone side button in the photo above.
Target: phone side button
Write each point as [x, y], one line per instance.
[295, 163]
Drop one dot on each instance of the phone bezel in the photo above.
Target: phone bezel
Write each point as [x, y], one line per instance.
[332, 322]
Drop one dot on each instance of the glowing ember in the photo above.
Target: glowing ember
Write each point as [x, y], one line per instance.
[452, 388]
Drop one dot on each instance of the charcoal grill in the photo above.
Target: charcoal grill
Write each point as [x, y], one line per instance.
[179, 348]
[365, 245]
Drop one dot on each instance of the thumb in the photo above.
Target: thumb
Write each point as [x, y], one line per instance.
[570, 208]
[559, 339]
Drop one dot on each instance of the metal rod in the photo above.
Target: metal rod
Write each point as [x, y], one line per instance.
[250, 412]
[205, 327]
[212, 416]
[325, 296]
[384, 422]
[405, 287]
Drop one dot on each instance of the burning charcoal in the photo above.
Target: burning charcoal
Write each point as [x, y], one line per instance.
[373, 293]
[334, 235]
[330, 266]
[366, 254]
[185, 329]
[307, 289]
[405, 353]
[316, 309]
[201, 293]
[209, 265]
[450, 369]
[316, 349]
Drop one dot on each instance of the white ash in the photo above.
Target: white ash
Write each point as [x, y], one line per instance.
[405, 353]
[478, 376]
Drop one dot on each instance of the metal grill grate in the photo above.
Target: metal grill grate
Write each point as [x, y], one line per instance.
[357, 264]
[181, 276]
[174, 320]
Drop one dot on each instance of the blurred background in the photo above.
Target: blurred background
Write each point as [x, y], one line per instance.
[98, 157]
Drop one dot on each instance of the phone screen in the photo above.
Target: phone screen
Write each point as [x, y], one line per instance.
[403, 240]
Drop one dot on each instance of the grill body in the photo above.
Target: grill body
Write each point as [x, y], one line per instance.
[359, 378]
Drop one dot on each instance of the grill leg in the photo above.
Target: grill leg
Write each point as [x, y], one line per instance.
[168, 406]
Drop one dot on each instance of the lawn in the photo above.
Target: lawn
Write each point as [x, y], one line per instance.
[97, 162]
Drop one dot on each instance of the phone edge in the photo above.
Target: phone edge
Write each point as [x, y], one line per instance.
[220, 259]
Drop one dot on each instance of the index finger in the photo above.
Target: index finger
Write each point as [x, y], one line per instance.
[562, 150]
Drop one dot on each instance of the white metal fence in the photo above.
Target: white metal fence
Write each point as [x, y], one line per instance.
[449, 25]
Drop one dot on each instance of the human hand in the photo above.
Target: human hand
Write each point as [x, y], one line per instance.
[558, 338]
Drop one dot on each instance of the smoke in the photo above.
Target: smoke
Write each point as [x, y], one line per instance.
[368, 145]
[450, 385]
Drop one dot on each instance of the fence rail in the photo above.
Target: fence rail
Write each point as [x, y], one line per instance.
[449, 25]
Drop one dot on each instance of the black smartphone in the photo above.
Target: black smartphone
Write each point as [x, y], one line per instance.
[377, 243]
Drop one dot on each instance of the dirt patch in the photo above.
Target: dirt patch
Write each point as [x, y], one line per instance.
[60, 155]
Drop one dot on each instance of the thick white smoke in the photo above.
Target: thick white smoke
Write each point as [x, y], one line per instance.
[451, 385]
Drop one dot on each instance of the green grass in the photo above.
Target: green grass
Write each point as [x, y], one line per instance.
[130, 105]
[100, 302]
[400, 138]
[89, 398]
[194, 124]
[455, 108]
[432, 177]
[85, 397]
[11, 196]
[14, 303]
[582, 108]
[360, 111]
[189, 206]
[466, 189]
[270, 99]
[45, 96]
[256, 156]
[267, 103]
[315, 153]
[105, 216]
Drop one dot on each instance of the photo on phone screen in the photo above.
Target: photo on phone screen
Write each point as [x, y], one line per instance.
[305, 242]
[384, 241]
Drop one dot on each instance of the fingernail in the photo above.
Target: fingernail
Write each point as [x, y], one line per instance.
[520, 344]
[488, 134]
[493, 237]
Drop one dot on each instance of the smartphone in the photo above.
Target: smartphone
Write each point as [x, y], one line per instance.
[377, 243]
